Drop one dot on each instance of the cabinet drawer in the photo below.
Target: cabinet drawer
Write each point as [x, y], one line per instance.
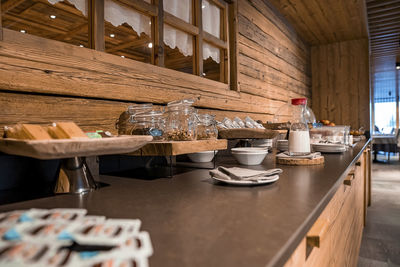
[340, 226]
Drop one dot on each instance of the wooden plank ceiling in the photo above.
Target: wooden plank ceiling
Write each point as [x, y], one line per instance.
[384, 29]
[327, 21]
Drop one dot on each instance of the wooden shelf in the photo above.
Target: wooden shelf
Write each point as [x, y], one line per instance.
[173, 148]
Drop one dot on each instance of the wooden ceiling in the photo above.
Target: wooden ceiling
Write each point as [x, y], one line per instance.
[328, 21]
[384, 28]
[325, 21]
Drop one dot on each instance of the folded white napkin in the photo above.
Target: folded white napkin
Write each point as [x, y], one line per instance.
[309, 156]
[236, 173]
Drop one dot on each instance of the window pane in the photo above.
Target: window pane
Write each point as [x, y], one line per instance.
[211, 16]
[178, 49]
[179, 8]
[127, 32]
[212, 62]
[385, 101]
[64, 21]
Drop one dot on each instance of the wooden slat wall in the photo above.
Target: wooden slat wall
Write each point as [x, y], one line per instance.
[273, 60]
[340, 82]
[43, 80]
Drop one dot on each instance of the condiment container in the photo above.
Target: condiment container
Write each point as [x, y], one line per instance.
[181, 121]
[299, 136]
[123, 122]
[206, 127]
[148, 123]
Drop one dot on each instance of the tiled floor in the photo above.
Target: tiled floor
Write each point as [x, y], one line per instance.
[380, 246]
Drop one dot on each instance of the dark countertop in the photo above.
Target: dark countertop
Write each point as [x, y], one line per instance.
[194, 221]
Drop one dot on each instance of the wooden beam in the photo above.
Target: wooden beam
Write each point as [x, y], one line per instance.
[383, 8]
[392, 12]
[382, 3]
[180, 24]
[96, 24]
[1, 28]
[32, 23]
[214, 40]
[68, 35]
[133, 43]
[158, 29]
[385, 28]
[198, 18]
[10, 4]
[142, 7]
[233, 46]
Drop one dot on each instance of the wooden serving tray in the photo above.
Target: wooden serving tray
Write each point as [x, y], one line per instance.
[293, 161]
[247, 133]
[68, 148]
[173, 148]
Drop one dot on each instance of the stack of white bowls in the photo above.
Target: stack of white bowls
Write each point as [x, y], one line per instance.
[262, 143]
[282, 145]
[249, 155]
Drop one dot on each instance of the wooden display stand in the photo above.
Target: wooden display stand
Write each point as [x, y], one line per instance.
[74, 175]
[300, 161]
[247, 133]
[174, 148]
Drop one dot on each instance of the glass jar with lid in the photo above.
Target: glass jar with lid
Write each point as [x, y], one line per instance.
[206, 127]
[148, 123]
[123, 122]
[181, 122]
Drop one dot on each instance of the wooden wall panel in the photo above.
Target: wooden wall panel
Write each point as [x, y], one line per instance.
[340, 82]
[90, 114]
[274, 62]
[93, 88]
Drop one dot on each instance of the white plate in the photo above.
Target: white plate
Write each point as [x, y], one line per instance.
[329, 148]
[271, 179]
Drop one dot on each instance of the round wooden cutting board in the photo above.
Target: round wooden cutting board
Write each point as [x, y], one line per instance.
[293, 161]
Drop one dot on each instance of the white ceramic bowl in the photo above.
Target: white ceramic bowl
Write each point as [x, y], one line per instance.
[250, 158]
[203, 156]
[249, 149]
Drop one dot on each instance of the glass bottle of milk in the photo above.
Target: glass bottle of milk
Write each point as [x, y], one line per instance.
[299, 136]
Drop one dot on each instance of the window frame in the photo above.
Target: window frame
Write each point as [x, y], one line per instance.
[227, 43]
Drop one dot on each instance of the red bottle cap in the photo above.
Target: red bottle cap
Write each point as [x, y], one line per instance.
[299, 101]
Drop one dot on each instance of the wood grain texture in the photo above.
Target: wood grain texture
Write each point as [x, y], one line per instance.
[323, 22]
[273, 61]
[77, 147]
[340, 83]
[292, 161]
[173, 148]
[273, 65]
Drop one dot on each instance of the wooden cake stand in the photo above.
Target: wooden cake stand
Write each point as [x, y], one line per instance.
[74, 175]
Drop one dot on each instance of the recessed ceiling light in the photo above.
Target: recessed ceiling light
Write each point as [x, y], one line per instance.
[53, 16]
[81, 45]
[150, 45]
[203, 6]
[204, 74]
[23, 31]
[123, 56]
[150, 22]
[112, 35]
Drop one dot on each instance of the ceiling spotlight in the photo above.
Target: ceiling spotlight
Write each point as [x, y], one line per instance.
[81, 46]
[397, 65]
[150, 45]
[203, 6]
[23, 31]
[53, 16]
[123, 56]
[112, 35]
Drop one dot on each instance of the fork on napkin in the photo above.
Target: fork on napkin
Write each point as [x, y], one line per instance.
[243, 174]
